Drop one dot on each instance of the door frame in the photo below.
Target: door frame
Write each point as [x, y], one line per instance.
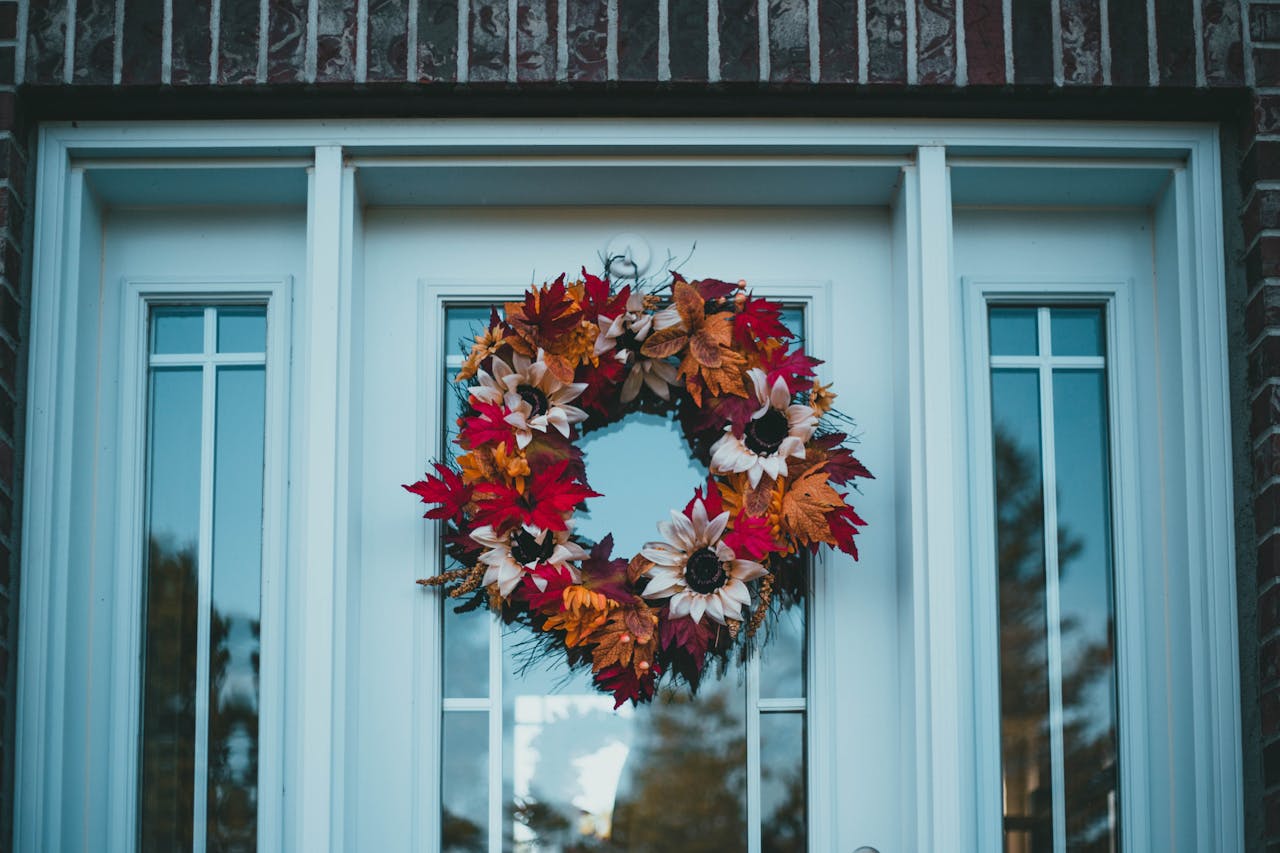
[83, 170]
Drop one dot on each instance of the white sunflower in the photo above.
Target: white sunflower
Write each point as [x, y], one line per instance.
[696, 570]
[534, 397]
[508, 557]
[778, 430]
[636, 323]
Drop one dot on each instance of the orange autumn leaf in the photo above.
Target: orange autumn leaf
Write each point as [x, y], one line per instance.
[584, 612]
[629, 638]
[805, 504]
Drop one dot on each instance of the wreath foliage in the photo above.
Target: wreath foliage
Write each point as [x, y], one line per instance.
[573, 357]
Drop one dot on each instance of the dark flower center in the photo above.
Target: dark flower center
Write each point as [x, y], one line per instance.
[704, 572]
[534, 397]
[527, 549]
[764, 435]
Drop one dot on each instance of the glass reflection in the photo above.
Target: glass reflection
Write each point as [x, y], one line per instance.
[242, 329]
[1024, 673]
[579, 776]
[464, 789]
[1013, 331]
[177, 330]
[783, 793]
[1076, 331]
[782, 657]
[236, 608]
[167, 770]
[1085, 587]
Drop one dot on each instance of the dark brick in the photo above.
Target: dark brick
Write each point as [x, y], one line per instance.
[1266, 65]
[46, 38]
[143, 37]
[739, 27]
[1264, 21]
[488, 41]
[12, 212]
[286, 40]
[8, 20]
[1265, 410]
[1269, 706]
[1269, 612]
[1267, 510]
[238, 42]
[8, 56]
[1175, 43]
[1271, 764]
[1032, 42]
[336, 41]
[588, 38]
[637, 39]
[437, 40]
[886, 41]
[1128, 23]
[688, 39]
[1263, 260]
[1269, 664]
[8, 366]
[984, 42]
[789, 41]
[388, 41]
[536, 58]
[1263, 211]
[10, 260]
[838, 41]
[1223, 46]
[1263, 311]
[1266, 459]
[95, 41]
[1264, 360]
[935, 42]
[1261, 163]
[1081, 26]
[14, 162]
[1271, 806]
[191, 43]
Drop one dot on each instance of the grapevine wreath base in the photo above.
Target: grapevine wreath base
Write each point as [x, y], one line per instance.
[575, 357]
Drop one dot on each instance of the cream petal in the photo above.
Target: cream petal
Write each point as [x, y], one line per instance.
[631, 385]
[667, 318]
[662, 590]
[540, 582]
[800, 416]
[523, 437]
[656, 384]
[573, 414]
[736, 591]
[715, 608]
[517, 420]
[697, 607]
[501, 370]
[779, 396]
[774, 466]
[732, 608]
[791, 446]
[700, 518]
[666, 370]
[715, 528]
[663, 554]
[754, 474]
[746, 570]
[725, 553]
[684, 529]
[567, 393]
[509, 580]
[557, 418]
[487, 536]
[680, 603]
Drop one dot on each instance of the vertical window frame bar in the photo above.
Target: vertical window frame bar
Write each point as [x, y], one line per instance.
[204, 583]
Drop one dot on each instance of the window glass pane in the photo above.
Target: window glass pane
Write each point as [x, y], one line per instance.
[578, 775]
[793, 319]
[242, 329]
[1076, 331]
[670, 475]
[462, 324]
[1085, 588]
[236, 615]
[782, 656]
[466, 652]
[1013, 331]
[783, 788]
[464, 787]
[167, 771]
[177, 330]
[1024, 676]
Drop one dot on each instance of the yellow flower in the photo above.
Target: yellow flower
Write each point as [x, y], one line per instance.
[821, 398]
[584, 612]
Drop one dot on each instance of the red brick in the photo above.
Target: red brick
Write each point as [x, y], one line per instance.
[984, 42]
[1262, 212]
[1263, 311]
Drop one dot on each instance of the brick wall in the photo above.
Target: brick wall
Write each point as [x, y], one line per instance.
[1000, 57]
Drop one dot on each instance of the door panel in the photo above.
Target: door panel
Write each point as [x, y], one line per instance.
[392, 713]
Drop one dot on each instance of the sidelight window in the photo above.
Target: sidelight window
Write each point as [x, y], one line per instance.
[206, 426]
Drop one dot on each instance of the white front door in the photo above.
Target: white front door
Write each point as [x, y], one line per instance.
[799, 750]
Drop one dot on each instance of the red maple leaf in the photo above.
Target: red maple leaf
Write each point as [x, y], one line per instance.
[597, 301]
[486, 426]
[751, 537]
[445, 488]
[759, 318]
[552, 598]
[794, 366]
[842, 466]
[844, 523]
[606, 576]
[601, 394]
[710, 497]
[548, 312]
[626, 686]
[550, 496]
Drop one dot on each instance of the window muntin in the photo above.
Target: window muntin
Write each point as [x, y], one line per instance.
[206, 413]
[1051, 460]
[539, 760]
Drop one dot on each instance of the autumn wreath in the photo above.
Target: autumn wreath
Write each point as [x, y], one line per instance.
[577, 356]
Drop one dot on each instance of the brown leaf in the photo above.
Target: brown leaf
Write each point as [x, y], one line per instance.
[690, 304]
[641, 621]
[559, 366]
[704, 349]
[756, 501]
[720, 328]
[637, 567]
[805, 505]
[617, 642]
[665, 343]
